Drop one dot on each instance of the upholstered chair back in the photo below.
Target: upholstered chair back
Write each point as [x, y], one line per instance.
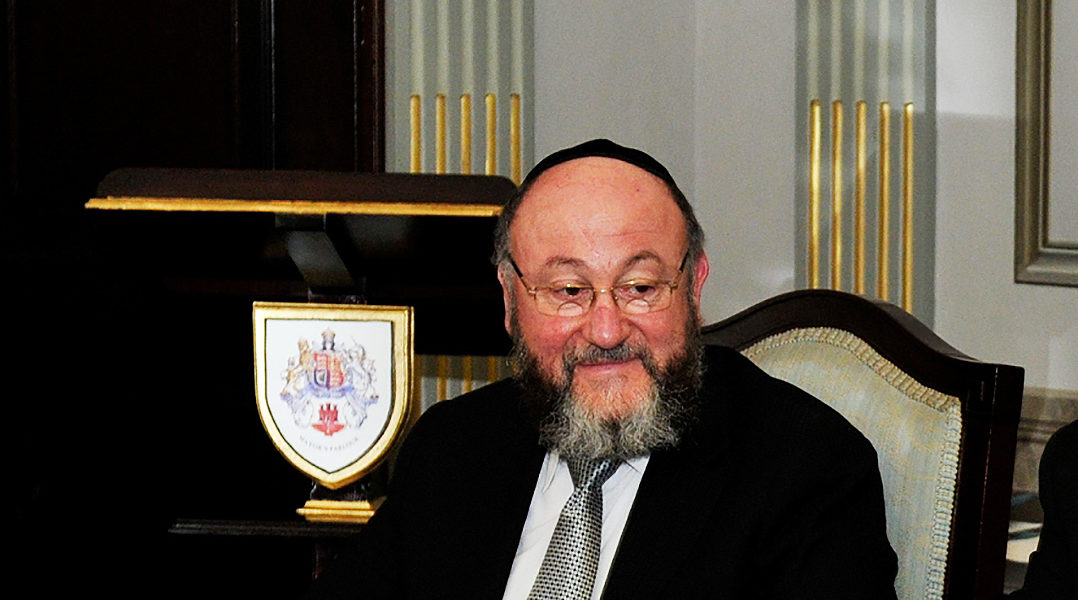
[943, 426]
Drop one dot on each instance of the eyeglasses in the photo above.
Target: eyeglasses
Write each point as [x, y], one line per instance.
[573, 299]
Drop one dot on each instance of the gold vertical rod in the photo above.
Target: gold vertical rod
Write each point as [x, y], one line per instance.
[514, 137]
[492, 145]
[466, 379]
[907, 207]
[883, 252]
[466, 134]
[836, 195]
[439, 134]
[492, 369]
[417, 388]
[814, 196]
[859, 201]
[443, 377]
[417, 145]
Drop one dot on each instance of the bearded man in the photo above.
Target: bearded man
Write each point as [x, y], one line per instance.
[623, 459]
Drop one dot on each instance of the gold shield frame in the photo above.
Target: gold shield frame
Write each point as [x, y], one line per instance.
[286, 340]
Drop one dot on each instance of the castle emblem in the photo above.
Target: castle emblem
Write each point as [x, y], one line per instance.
[329, 389]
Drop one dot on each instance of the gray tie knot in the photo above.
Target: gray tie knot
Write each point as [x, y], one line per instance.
[590, 474]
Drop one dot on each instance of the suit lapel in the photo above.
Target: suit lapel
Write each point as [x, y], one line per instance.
[509, 478]
[676, 497]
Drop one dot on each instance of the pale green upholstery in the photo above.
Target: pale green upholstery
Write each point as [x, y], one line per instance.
[916, 432]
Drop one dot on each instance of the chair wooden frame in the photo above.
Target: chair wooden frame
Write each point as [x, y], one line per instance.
[990, 395]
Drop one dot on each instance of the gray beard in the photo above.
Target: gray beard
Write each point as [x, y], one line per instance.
[657, 420]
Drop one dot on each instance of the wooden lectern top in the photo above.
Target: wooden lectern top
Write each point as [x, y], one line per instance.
[302, 192]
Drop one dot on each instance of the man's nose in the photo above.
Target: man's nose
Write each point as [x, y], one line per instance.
[606, 324]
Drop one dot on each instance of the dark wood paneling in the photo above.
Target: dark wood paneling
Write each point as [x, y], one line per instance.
[135, 405]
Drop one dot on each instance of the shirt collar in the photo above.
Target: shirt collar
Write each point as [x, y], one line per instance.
[552, 462]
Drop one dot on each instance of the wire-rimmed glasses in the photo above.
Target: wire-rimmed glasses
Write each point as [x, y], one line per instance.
[573, 298]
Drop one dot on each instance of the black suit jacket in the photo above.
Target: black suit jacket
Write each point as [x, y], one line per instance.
[772, 494]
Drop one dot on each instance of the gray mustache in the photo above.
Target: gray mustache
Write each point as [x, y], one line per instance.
[597, 354]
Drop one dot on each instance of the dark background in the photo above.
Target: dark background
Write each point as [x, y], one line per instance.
[133, 379]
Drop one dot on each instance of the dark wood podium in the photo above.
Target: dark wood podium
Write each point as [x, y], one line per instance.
[198, 247]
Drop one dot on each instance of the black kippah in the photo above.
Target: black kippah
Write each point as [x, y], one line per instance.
[605, 149]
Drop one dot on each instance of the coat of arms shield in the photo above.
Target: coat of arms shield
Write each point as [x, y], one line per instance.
[333, 384]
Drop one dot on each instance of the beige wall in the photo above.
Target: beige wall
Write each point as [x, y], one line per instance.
[622, 70]
[682, 80]
[979, 308]
[708, 87]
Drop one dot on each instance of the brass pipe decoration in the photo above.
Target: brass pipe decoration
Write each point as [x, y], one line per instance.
[417, 147]
[439, 134]
[814, 196]
[859, 202]
[492, 146]
[443, 377]
[836, 195]
[415, 409]
[884, 214]
[514, 138]
[467, 383]
[466, 134]
[907, 207]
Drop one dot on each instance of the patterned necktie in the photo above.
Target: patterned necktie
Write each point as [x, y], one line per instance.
[568, 569]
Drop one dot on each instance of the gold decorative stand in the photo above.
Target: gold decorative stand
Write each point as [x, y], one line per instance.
[339, 511]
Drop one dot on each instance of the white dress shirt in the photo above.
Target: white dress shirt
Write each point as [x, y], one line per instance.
[552, 491]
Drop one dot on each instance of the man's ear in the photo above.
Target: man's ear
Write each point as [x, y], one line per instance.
[507, 298]
[702, 268]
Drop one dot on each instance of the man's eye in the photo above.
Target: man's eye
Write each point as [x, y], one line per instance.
[569, 292]
[638, 289]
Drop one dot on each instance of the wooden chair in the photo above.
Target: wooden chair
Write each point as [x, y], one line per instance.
[943, 425]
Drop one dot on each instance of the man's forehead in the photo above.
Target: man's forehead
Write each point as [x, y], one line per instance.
[596, 171]
[644, 260]
[598, 210]
[595, 191]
